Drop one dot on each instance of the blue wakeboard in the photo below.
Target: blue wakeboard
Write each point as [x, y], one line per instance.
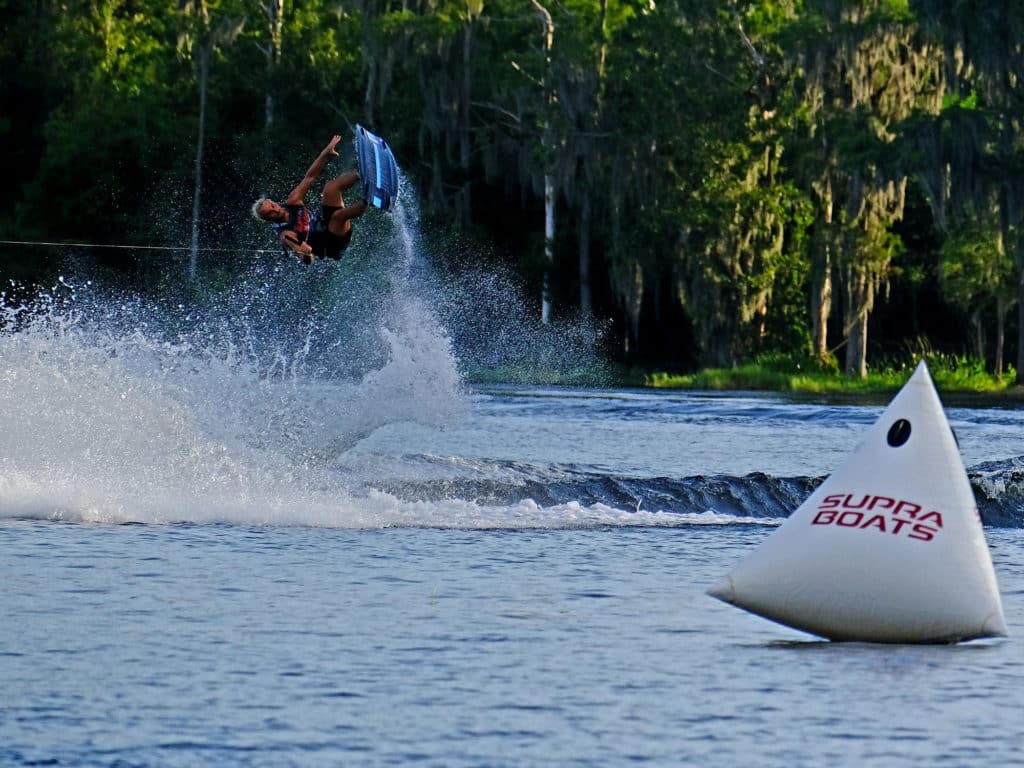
[377, 169]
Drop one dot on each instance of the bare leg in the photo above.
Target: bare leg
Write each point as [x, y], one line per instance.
[333, 189]
[341, 219]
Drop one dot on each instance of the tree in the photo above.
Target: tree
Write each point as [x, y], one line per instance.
[206, 29]
[274, 10]
[748, 213]
[547, 155]
[985, 69]
[976, 274]
[106, 138]
[706, 202]
[864, 67]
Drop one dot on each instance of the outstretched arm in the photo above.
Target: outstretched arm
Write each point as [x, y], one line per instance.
[299, 193]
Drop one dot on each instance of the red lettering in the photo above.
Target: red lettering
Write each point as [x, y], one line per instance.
[875, 522]
[922, 532]
[909, 508]
[898, 524]
[851, 511]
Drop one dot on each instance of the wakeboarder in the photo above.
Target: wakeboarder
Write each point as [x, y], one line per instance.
[325, 233]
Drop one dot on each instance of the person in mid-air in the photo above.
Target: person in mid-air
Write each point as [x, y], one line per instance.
[325, 234]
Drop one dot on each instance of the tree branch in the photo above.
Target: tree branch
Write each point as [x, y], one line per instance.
[758, 58]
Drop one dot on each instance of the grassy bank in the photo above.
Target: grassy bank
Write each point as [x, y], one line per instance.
[775, 373]
[786, 374]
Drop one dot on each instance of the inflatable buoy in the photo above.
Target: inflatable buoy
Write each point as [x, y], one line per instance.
[889, 549]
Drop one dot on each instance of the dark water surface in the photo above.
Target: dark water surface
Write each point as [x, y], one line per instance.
[232, 645]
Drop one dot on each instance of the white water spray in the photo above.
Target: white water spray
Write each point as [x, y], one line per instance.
[244, 405]
[120, 410]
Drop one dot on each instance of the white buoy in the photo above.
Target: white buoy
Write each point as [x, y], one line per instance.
[889, 549]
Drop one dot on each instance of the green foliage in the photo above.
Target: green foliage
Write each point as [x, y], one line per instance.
[730, 156]
[956, 100]
[783, 373]
[973, 268]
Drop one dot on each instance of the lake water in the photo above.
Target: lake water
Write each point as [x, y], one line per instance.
[439, 614]
[271, 526]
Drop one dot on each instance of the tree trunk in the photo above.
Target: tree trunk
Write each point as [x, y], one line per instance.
[370, 53]
[821, 277]
[1000, 334]
[857, 347]
[549, 247]
[821, 304]
[548, 153]
[586, 288]
[586, 292]
[859, 295]
[268, 110]
[205, 51]
[979, 335]
[275, 26]
[465, 207]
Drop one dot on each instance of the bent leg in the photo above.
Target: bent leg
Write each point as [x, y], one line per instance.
[333, 189]
[341, 220]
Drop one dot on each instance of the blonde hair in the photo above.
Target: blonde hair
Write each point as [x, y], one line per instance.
[256, 208]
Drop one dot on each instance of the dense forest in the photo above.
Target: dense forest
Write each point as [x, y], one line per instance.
[713, 181]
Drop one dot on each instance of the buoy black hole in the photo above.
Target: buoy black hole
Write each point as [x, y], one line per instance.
[899, 433]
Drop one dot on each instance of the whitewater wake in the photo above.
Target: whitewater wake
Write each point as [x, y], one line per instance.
[256, 403]
[240, 410]
[252, 404]
[238, 404]
[111, 418]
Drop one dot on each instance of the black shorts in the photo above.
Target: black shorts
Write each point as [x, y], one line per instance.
[326, 244]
